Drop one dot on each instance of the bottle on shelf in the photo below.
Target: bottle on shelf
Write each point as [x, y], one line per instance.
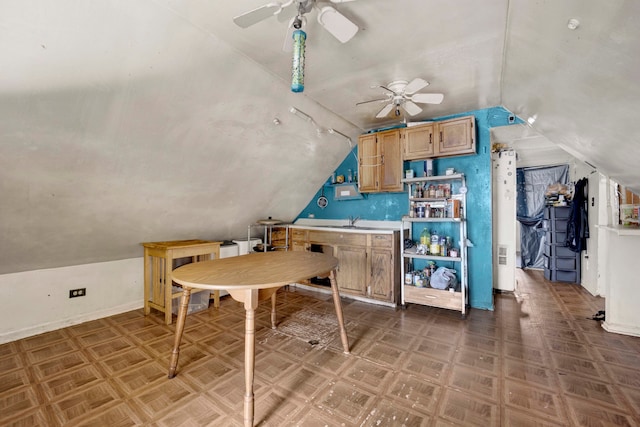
[424, 237]
[434, 248]
[443, 246]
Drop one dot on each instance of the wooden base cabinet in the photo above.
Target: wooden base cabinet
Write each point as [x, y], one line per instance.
[369, 263]
[382, 274]
[352, 271]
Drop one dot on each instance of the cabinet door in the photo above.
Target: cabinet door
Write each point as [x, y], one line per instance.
[391, 159]
[457, 137]
[381, 280]
[368, 163]
[418, 142]
[351, 275]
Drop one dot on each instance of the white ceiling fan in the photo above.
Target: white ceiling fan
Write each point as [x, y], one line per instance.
[402, 94]
[333, 21]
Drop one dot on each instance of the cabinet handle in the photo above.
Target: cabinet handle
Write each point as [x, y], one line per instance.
[440, 136]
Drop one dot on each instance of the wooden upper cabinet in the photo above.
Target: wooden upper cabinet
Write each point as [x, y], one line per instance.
[368, 163]
[455, 137]
[380, 162]
[419, 142]
[391, 157]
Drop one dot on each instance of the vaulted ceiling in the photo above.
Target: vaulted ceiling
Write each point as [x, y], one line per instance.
[123, 122]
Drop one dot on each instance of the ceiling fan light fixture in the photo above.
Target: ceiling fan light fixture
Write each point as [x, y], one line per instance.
[401, 93]
[337, 24]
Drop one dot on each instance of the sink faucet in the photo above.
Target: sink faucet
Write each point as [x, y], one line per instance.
[353, 220]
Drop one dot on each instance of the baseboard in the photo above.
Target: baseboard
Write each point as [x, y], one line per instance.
[621, 329]
[52, 326]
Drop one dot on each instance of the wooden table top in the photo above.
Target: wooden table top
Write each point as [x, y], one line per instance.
[175, 244]
[257, 270]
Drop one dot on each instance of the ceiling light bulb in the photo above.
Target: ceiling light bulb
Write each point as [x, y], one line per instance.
[573, 24]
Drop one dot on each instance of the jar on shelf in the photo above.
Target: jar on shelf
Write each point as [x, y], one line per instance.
[417, 191]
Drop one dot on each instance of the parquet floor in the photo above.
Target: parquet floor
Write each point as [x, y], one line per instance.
[538, 360]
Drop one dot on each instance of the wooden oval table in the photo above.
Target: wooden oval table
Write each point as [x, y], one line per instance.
[249, 279]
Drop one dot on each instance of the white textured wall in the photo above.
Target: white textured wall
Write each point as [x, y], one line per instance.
[38, 301]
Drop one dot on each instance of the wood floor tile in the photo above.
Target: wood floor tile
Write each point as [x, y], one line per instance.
[467, 410]
[537, 360]
[412, 391]
[586, 413]
[475, 382]
[545, 403]
[345, 400]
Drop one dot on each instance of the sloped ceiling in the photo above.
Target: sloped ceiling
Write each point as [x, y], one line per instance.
[124, 122]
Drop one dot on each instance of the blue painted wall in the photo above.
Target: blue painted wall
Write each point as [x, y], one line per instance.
[391, 206]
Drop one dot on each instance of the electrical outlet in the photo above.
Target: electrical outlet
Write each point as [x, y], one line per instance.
[80, 292]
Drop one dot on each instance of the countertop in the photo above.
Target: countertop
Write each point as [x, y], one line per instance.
[342, 226]
[621, 230]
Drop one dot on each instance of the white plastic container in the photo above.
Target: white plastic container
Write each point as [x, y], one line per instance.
[197, 302]
[245, 246]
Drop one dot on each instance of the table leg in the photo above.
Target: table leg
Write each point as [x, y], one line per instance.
[338, 305]
[216, 299]
[250, 305]
[168, 291]
[273, 311]
[147, 282]
[182, 315]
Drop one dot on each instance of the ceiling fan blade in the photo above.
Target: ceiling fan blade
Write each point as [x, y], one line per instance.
[287, 45]
[372, 100]
[411, 108]
[337, 24]
[254, 16]
[287, 12]
[415, 85]
[427, 98]
[387, 108]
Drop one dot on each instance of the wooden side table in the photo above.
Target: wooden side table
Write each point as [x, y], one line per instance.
[158, 267]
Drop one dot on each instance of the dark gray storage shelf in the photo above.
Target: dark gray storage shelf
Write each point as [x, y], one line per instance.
[560, 263]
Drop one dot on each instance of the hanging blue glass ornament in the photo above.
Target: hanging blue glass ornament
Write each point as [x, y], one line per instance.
[297, 69]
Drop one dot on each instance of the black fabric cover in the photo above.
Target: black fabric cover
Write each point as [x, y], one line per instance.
[578, 224]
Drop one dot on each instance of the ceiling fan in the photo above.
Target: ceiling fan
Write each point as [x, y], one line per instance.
[402, 94]
[333, 21]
